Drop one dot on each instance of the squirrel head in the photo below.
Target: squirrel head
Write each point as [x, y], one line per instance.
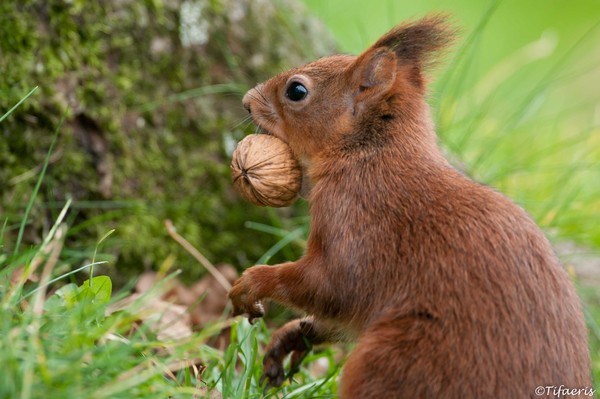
[329, 100]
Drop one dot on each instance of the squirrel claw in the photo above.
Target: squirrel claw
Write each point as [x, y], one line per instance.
[296, 360]
[262, 379]
[273, 373]
[290, 377]
[255, 311]
[266, 388]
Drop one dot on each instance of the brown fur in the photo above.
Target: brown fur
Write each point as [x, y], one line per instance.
[450, 289]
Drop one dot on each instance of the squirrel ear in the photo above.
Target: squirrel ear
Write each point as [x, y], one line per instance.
[416, 44]
[374, 73]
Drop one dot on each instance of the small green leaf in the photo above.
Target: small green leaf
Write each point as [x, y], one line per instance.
[100, 289]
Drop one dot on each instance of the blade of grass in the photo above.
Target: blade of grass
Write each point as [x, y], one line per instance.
[197, 255]
[37, 188]
[36, 352]
[223, 88]
[2, 232]
[95, 251]
[265, 228]
[467, 47]
[10, 111]
[37, 258]
[249, 351]
[57, 223]
[462, 62]
[290, 237]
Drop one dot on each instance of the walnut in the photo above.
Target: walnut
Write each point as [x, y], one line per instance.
[265, 172]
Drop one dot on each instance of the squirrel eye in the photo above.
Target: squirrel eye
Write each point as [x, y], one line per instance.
[296, 91]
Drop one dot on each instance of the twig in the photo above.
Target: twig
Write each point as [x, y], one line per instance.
[57, 155]
[54, 249]
[196, 254]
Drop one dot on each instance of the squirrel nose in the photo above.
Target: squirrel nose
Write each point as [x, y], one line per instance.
[252, 95]
[246, 102]
[247, 107]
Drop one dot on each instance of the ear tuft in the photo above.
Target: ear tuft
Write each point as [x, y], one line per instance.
[419, 42]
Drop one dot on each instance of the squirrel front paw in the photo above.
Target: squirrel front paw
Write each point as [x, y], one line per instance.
[243, 301]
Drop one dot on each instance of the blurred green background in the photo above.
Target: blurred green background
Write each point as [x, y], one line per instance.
[513, 25]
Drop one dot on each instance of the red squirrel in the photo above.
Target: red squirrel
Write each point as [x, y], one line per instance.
[449, 289]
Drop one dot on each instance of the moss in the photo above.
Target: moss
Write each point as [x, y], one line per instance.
[135, 149]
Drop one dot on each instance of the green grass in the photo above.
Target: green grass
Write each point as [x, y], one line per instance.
[61, 343]
[243, 360]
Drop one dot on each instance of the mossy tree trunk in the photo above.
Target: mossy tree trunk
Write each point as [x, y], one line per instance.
[150, 92]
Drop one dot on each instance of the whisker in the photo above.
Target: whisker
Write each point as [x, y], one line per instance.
[269, 124]
[262, 96]
[245, 119]
[262, 101]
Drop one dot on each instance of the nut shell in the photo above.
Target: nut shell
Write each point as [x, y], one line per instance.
[265, 172]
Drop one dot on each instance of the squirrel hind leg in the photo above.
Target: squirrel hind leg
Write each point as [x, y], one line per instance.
[296, 338]
[419, 355]
[396, 358]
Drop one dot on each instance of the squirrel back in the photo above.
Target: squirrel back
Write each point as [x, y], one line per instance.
[450, 288]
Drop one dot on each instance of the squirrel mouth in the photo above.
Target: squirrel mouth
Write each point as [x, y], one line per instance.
[263, 130]
[260, 129]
